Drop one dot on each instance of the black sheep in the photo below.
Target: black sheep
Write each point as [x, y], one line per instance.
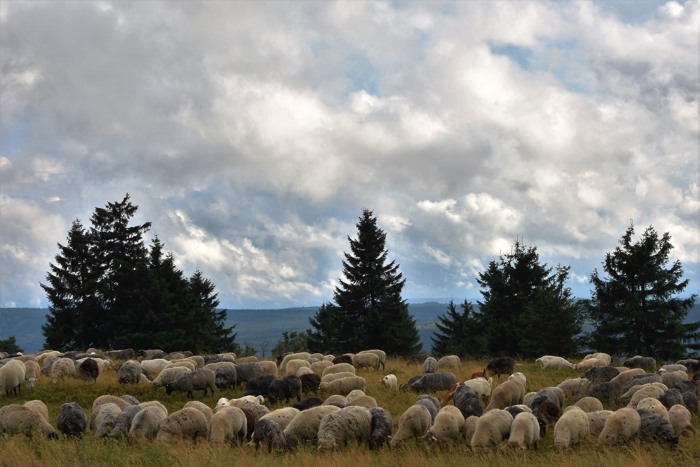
[284, 389]
[381, 428]
[345, 358]
[608, 391]
[647, 363]
[655, 427]
[259, 386]
[226, 377]
[308, 403]
[88, 369]
[500, 366]
[671, 397]
[601, 374]
[466, 400]
[310, 382]
[71, 419]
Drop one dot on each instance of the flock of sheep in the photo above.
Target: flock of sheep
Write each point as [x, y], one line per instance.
[321, 400]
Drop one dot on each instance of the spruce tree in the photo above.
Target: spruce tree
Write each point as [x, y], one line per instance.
[636, 310]
[458, 333]
[368, 311]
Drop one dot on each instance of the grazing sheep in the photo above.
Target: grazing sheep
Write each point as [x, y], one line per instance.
[591, 362]
[379, 353]
[202, 407]
[123, 422]
[365, 360]
[447, 426]
[150, 354]
[88, 369]
[310, 382]
[624, 377]
[670, 378]
[337, 428]
[248, 371]
[343, 385]
[516, 409]
[381, 428]
[304, 427]
[31, 373]
[254, 408]
[259, 386]
[109, 398]
[645, 378]
[17, 419]
[449, 361]
[226, 377]
[552, 361]
[525, 431]
[201, 379]
[318, 367]
[680, 418]
[480, 386]
[284, 388]
[608, 391]
[690, 400]
[433, 382]
[491, 428]
[363, 401]
[431, 403]
[146, 423]
[154, 366]
[601, 374]
[596, 421]
[691, 364]
[187, 423]
[38, 407]
[129, 372]
[168, 375]
[589, 404]
[671, 367]
[626, 397]
[574, 388]
[292, 356]
[467, 401]
[509, 392]
[333, 376]
[282, 416]
[548, 403]
[644, 392]
[294, 365]
[671, 397]
[469, 427]
[654, 427]
[519, 377]
[621, 426]
[654, 405]
[338, 400]
[338, 368]
[103, 419]
[570, 429]
[62, 368]
[308, 403]
[687, 386]
[71, 419]
[228, 425]
[647, 363]
[413, 424]
[390, 382]
[271, 433]
[500, 366]
[345, 358]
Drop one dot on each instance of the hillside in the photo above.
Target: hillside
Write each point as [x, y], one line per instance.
[257, 327]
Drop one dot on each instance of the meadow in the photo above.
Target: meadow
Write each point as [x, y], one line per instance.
[88, 451]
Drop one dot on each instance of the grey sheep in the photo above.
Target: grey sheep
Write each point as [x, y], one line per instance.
[338, 428]
[430, 365]
[168, 375]
[601, 374]
[304, 427]
[247, 371]
[226, 377]
[413, 424]
[129, 372]
[671, 397]
[647, 363]
[468, 402]
[381, 428]
[103, 419]
[229, 424]
[284, 389]
[146, 423]
[343, 385]
[431, 403]
[186, 423]
[202, 379]
[606, 392]
[433, 382]
[365, 360]
[271, 433]
[690, 400]
[71, 419]
[379, 353]
[17, 419]
[257, 410]
[123, 422]
[654, 427]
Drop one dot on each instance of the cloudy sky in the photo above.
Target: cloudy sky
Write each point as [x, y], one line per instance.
[253, 134]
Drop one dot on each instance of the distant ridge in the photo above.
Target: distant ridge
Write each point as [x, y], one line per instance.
[260, 328]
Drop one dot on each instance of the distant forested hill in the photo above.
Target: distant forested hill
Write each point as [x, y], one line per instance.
[259, 328]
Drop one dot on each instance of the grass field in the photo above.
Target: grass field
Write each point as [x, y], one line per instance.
[88, 451]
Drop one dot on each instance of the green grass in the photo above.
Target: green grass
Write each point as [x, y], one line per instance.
[88, 451]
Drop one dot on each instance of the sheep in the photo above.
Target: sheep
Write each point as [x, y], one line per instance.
[447, 426]
[223, 402]
[626, 397]
[109, 398]
[31, 373]
[228, 425]
[432, 382]
[282, 416]
[154, 366]
[188, 423]
[318, 367]
[338, 368]
[168, 375]
[343, 385]
[62, 368]
[254, 408]
[509, 392]
[469, 427]
[571, 428]
[292, 356]
[199, 379]
[500, 366]
[680, 418]
[467, 401]
[189, 364]
[333, 376]
[88, 369]
[310, 382]
[690, 400]
[17, 419]
[71, 419]
[654, 405]
[691, 364]
[601, 374]
[548, 403]
[248, 371]
[654, 427]
[304, 427]
[601, 356]
[647, 391]
[381, 428]
[248, 359]
[552, 361]
[47, 360]
[202, 407]
[150, 354]
[647, 363]
[608, 391]
[259, 386]
[122, 424]
[308, 403]
[413, 424]
[687, 386]
[449, 361]
[129, 372]
[337, 400]
[671, 367]
[596, 421]
[624, 377]
[574, 388]
[337, 428]
[621, 426]
[103, 419]
[146, 423]
[645, 378]
[491, 428]
[365, 360]
[153, 403]
[294, 365]
[589, 404]
[671, 397]
[431, 403]
[379, 353]
[38, 407]
[363, 401]
[284, 388]
[670, 378]
[525, 431]
[519, 377]
[591, 362]
[390, 382]
[518, 408]
[269, 431]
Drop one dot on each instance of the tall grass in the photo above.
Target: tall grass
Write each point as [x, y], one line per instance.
[88, 451]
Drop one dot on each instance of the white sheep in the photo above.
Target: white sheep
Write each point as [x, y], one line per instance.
[449, 361]
[337, 428]
[333, 376]
[627, 396]
[17, 419]
[624, 377]
[481, 386]
[304, 427]
[574, 388]
[146, 423]
[202, 407]
[653, 390]
[491, 428]
[680, 418]
[519, 377]
[11, 376]
[430, 365]
[228, 425]
[363, 401]
[571, 428]
[338, 368]
[31, 373]
[38, 407]
[596, 421]
[553, 361]
[62, 368]
[379, 353]
[447, 426]
[258, 410]
[390, 382]
[336, 399]
[155, 366]
[187, 423]
[469, 427]
[620, 427]
[654, 405]
[168, 375]
[365, 360]
[413, 424]
[321, 365]
[282, 416]
[294, 365]
[109, 398]
[305, 370]
[524, 431]
[292, 356]
[509, 392]
[103, 419]
[590, 363]
[672, 367]
[343, 385]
